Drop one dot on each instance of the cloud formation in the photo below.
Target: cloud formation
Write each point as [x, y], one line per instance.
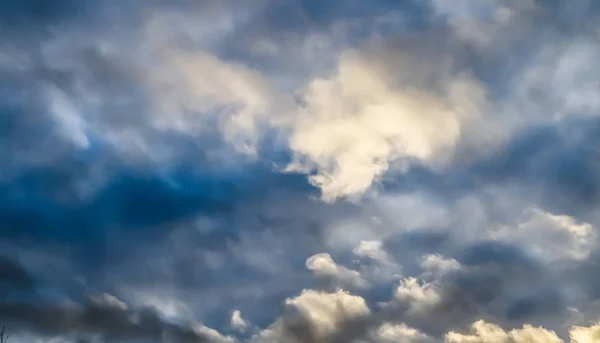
[366, 117]
[484, 332]
[300, 171]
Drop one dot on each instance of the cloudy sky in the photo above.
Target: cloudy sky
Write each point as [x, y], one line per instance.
[300, 171]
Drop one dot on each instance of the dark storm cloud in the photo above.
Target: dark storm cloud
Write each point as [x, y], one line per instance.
[95, 317]
[22, 308]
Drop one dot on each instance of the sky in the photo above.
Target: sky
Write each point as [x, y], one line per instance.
[300, 171]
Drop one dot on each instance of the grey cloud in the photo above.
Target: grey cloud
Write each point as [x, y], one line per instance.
[98, 316]
[13, 276]
[102, 316]
[110, 322]
[65, 183]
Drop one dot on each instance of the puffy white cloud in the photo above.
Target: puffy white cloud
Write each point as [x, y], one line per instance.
[317, 313]
[581, 334]
[551, 237]
[372, 250]
[327, 310]
[438, 264]
[323, 266]
[368, 115]
[388, 333]
[420, 296]
[482, 332]
[237, 322]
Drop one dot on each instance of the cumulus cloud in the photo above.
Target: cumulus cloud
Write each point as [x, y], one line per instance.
[401, 333]
[552, 237]
[325, 309]
[436, 263]
[482, 332]
[420, 296]
[580, 334]
[372, 250]
[313, 316]
[346, 129]
[366, 116]
[323, 266]
[237, 322]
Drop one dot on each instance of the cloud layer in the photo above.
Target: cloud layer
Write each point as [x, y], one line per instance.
[300, 171]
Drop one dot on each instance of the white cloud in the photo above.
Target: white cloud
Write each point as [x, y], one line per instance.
[482, 332]
[322, 265]
[551, 237]
[237, 322]
[195, 89]
[420, 296]
[327, 310]
[390, 333]
[324, 312]
[366, 116]
[581, 334]
[438, 264]
[372, 250]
